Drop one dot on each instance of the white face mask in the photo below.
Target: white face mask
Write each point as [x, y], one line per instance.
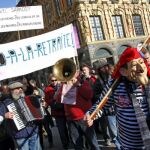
[137, 71]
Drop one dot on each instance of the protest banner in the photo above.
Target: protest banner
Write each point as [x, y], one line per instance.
[36, 53]
[21, 18]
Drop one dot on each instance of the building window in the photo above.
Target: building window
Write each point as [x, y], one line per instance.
[104, 53]
[48, 11]
[121, 49]
[58, 6]
[69, 2]
[118, 26]
[134, 1]
[138, 25]
[114, 1]
[92, 0]
[96, 25]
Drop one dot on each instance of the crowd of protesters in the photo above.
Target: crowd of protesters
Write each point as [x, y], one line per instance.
[68, 116]
[69, 104]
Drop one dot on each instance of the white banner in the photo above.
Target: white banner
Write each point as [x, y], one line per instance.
[32, 54]
[21, 18]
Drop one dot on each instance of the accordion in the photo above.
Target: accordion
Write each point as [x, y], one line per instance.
[26, 110]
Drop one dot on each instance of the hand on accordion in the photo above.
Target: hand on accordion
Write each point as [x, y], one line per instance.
[9, 115]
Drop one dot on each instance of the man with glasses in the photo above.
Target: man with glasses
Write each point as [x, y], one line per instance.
[57, 110]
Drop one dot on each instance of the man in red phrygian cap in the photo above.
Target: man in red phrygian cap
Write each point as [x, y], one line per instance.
[132, 57]
[130, 99]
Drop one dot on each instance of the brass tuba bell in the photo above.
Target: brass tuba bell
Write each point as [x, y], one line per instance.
[64, 69]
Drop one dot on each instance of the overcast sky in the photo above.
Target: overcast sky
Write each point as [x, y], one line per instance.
[8, 3]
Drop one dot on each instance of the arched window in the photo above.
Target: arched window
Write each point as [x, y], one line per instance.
[104, 53]
[121, 49]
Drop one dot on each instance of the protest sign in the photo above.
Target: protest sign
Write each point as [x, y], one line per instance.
[35, 53]
[21, 18]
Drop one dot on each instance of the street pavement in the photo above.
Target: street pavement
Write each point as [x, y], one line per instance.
[58, 146]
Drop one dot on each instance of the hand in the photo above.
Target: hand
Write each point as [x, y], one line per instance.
[88, 120]
[9, 115]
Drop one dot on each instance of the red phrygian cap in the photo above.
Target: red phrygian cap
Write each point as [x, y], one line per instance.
[128, 55]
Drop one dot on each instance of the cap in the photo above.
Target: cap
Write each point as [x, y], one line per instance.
[100, 63]
[128, 55]
[14, 85]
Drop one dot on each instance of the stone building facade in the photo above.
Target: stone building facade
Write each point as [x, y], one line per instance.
[105, 27]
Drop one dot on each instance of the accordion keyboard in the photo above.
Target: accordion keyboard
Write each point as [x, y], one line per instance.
[17, 119]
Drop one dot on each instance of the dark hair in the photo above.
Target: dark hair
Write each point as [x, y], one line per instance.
[85, 65]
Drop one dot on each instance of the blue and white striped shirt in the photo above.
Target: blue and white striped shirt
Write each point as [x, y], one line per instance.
[128, 130]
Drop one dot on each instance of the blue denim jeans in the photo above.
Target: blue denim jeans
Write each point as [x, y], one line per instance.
[31, 143]
[113, 130]
[104, 126]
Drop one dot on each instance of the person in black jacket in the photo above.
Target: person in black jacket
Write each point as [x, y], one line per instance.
[108, 119]
[6, 142]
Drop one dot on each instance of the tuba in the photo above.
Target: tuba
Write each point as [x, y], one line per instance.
[64, 69]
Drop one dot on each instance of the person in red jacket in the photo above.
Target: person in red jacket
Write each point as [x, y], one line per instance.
[76, 98]
[87, 75]
[57, 110]
[92, 79]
